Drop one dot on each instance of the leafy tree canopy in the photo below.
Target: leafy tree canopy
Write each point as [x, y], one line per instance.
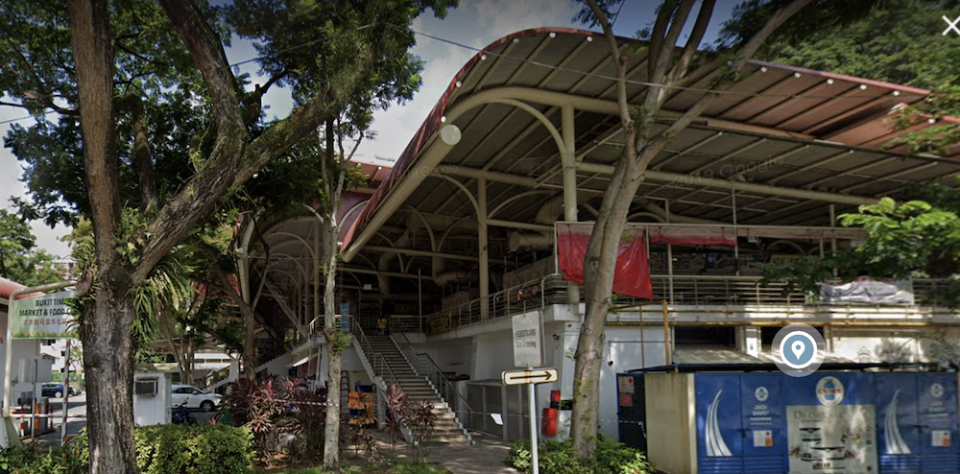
[19, 260]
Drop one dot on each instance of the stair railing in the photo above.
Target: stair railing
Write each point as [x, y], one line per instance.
[426, 367]
[376, 359]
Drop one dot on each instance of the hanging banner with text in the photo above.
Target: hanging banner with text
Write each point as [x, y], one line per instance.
[632, 273]
[42, 317]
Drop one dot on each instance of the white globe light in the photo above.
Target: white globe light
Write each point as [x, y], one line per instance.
[450, 134]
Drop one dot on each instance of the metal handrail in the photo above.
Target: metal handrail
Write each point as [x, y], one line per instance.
[701, 289]
[374, 357]
[435, 375]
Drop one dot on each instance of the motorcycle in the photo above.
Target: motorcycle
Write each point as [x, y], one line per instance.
[183, 416]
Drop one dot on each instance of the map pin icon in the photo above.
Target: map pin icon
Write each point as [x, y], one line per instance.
[797, 348]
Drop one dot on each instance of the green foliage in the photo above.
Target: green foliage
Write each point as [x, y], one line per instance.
[911, 51]
[559, 458]
[161, 449]
[916, 238]
[18, 260]
[265, 408]
[203, 449]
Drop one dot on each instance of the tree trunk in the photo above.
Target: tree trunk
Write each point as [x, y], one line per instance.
[598, 270]
[331, 445]
[249, 343]
[108, 359]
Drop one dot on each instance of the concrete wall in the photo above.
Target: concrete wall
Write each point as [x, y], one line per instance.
[451, 356]
[671, 423]
[621, 352]
[494, 355]
[354, 367]
[155, 409]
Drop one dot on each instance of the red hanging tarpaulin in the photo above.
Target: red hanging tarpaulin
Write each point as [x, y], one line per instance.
[632, 274]
[693, 235]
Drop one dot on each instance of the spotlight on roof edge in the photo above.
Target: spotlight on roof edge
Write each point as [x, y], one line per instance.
[553, 34]
[450, 134]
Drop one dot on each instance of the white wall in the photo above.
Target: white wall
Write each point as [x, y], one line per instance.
[153, 410]
[621, 352]
[451, 356]
[494, 355]
[22, 349]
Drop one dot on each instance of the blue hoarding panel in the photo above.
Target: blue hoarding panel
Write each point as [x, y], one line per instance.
[898, 429]
[719, 428]
[937, 410]
[764, 440]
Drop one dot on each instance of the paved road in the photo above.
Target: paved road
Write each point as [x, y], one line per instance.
[78, 413]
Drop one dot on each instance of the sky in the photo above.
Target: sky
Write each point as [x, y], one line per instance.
[475, 23]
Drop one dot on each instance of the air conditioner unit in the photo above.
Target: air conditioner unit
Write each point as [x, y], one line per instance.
[146, 387]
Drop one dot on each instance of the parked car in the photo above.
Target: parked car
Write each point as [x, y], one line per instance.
[194, 398]
[54, 390]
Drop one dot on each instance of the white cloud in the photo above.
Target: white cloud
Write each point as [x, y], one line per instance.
[476, 24]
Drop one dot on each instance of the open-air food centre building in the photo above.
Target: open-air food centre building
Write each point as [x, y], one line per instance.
[460, 234]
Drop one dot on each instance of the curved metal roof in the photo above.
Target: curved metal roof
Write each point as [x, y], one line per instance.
[778, 127]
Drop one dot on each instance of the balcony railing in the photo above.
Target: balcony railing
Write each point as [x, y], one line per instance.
[695, 290]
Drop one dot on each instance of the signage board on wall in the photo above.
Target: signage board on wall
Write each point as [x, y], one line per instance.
[526, 340]
[832, 439]
[42, 317]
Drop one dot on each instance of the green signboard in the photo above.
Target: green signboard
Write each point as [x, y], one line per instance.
[42, 317]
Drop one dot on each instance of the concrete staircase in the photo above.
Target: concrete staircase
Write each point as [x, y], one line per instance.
[448, 430]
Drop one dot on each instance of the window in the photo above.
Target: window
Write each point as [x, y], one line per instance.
[48, 342]
[184, 390]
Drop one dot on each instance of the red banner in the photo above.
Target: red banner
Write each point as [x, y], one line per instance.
[632, 274]
[693, 235]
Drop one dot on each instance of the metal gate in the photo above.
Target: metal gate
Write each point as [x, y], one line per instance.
[631, 411]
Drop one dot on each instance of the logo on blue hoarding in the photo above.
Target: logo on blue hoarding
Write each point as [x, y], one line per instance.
[800, 348]
[936, 390]
[761, 393]
[830, 391]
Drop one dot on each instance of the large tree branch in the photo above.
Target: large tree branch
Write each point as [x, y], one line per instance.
[208, 54]
[279, 138]
[659, 30]
[93, 53]
[661, 63]
[740, 60]
[197, 199]
[626, 121]
[693, 42]
[143, 162]
[43, 96]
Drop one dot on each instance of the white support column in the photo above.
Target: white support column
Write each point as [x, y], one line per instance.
[666, 206]
[484, 251]
[736, 248]
[568, 159]
[748, 340]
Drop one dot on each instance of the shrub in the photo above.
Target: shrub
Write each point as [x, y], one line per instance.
[161, 449]
[559, 458]
[210, 449]
[271, 407]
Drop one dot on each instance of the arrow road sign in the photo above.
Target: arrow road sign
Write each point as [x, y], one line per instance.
[532, 376]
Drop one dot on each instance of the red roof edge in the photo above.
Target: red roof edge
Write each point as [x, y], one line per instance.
[8, 287]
